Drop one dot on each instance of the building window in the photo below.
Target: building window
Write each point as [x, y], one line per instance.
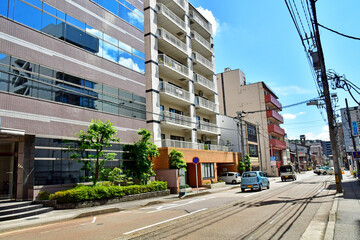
[177, 138]
[208, 170]
[251, 131]
[29, 79]
[253, 150]
[58, 24]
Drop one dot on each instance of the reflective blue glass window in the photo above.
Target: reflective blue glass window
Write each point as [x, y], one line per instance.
[125, 13]
[110, 107]
[36, 3]
[52, 26]
[125, 47]
[138, 53]
[27, 15]
[138, 64]
[127, 4]
[125, 59]
[112, 6]
[75, 22]
[93, 31]
[4, 81]
[110, 52]
[53, 11]
[3, 7]
[111, 40]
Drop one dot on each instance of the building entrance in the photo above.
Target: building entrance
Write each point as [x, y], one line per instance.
[7, 174]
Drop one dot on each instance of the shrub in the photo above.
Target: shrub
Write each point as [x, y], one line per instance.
[43, 195]
[83, 193]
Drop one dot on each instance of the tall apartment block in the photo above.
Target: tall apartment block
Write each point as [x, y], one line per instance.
[261, 109]
[63, 63]
[181, 90]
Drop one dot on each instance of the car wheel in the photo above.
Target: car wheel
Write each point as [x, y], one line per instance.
[233, 182]
[294, 178]
[318, 173]
[324, 173]
[252, 189]
[243, 189]
[268, 186]
[260, 187]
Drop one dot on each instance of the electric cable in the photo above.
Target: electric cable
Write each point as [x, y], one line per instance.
[339, 33]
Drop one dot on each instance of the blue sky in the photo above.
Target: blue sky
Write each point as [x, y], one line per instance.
[259, 38]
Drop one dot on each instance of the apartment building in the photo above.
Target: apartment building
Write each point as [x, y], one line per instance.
[63, 63]
[348, 132]
[181, 92]
[260, 107]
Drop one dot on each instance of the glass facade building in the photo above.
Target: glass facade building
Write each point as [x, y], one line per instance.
[62, 64]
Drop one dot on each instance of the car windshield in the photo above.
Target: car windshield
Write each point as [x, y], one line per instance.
[285, 169]
[250, 174]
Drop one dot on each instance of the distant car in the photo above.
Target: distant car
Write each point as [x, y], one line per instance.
[317, 170]
[254, 180]
[230, 177]
[327, 170]
[287, 172]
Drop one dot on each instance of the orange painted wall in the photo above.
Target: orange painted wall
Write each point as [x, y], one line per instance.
[205, 156]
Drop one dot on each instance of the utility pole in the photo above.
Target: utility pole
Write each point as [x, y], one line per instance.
[351, 132]
[258, 138]
[297, 156]
[326, 92]
[239, 117]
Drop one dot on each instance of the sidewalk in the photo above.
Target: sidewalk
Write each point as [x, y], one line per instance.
[62, 215]
[347, 210]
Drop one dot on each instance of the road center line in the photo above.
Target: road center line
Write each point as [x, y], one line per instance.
[171, 219]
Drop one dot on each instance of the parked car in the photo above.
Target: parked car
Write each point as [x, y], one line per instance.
[287, 172]
[327, 170]
[254, 180]
[230, 177]
[317, 170]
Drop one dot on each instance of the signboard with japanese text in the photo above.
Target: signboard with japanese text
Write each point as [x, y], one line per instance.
[355, 128]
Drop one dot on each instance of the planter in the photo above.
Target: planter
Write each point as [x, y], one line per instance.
[99, 202]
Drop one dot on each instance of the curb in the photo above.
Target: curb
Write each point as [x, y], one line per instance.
[330, 228]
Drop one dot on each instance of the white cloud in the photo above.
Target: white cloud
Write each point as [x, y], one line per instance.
[210, 17]
[323, 135]
[301, 113]
[136, 15]
[286, 90]
[289, 116]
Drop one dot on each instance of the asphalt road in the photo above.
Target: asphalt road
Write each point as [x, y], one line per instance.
[282, 212]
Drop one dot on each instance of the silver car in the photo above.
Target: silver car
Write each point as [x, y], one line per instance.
[230, 177]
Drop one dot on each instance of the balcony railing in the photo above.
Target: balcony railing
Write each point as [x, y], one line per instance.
[191, 145]
[171, 63]
[275, 115]
[181, 3]
[174, 91]
[200, 39]
[274, 143]
[271, 99]
[167, 12]
[209, 127]
[199, 58]
[162, 33]
[204, 81]
[205, 103]
[170, 117]
[200, 21]
[276, 129]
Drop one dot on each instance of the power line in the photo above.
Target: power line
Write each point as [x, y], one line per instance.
[339, 33]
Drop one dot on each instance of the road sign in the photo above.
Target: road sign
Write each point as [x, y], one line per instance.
[182, 172]
[196, 160]
[356, 154]
[272, 161]
[355, 128]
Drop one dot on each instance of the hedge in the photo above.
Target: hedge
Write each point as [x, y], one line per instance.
[83, 193]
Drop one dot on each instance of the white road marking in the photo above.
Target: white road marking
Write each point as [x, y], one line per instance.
[93, 220]
[171, 219]
[172, 205]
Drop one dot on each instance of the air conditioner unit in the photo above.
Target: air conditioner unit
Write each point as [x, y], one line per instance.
[201, 94]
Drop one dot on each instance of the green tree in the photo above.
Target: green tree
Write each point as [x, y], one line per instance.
[241, 166]
[143, 152]
[247, 162]
[176, 159]
[90, 147]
